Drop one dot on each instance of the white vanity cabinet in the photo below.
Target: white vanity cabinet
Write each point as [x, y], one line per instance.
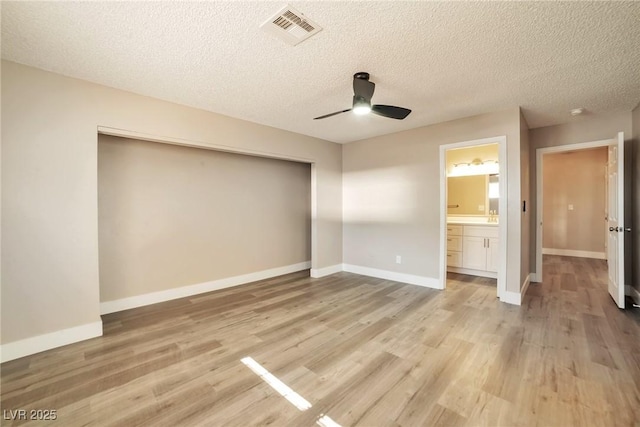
[478, 254]
[492, 254]
[454, 246]
[475, 253]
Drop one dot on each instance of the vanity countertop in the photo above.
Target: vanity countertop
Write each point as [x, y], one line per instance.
[471, 221]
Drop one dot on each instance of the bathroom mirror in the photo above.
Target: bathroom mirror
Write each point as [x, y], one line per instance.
[472, 195]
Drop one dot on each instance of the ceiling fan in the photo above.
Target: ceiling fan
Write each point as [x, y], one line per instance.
[362, 93]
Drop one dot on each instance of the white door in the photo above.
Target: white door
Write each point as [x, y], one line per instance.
[615, 207]
[474, 252]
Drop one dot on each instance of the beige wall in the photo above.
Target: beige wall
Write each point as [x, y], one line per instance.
[635, 222]
[391, 187]
[49, 187]
[171, 216]
[574, 178]
[582, 129]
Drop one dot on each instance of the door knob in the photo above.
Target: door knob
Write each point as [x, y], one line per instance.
[610, 228]
[628, 229]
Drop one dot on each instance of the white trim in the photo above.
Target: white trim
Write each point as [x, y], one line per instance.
[186, 291]
[525, 286]
[33, 345]
[429, 282]
[502, 208]
[516, 298]
[314, 217]
[571, 252]
[576, 146]
[535, 278]
[316, 273]
[509, 297]
[539, 159]
[473, 272]
[633, 293]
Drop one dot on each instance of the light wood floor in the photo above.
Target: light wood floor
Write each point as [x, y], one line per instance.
[361, 351]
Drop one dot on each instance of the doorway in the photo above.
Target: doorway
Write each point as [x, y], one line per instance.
[604, 225]
[485, 253]
[574, 203]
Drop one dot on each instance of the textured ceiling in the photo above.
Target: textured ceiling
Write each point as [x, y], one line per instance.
[444, 60]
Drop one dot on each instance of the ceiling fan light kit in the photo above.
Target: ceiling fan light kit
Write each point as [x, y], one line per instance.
[361, 106]
[362, 92]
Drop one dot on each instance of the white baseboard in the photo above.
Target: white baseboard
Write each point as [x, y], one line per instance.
[187, 291]
[525, 286]
[481, 273]
[514, 298]
[633, 293]
[535, 278]
[571, 252]
[428, 282]
[33, 345]
[316, 273]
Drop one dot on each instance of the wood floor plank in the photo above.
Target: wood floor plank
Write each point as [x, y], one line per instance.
[360, 350]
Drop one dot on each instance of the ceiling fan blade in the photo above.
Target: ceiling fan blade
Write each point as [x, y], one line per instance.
[390, 111]
[363, 88]
[332, 114]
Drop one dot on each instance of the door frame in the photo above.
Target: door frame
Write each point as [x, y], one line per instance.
[540, 152]
[502, 208]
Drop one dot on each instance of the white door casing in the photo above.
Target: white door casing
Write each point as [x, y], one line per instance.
[540, 152]
[502, 210]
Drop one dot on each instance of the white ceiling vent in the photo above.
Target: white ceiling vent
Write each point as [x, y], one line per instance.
[290, 26]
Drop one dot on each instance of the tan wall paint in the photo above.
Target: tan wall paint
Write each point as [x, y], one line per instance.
[49, 187]
[391, 195]
[582, 129]
[576, 178]
[171, 216]
[635, 222]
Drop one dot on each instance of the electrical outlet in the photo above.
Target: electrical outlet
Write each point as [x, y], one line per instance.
[398, 259]
[570, 207]
[481, 208]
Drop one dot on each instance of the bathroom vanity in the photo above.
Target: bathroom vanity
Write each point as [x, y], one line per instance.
[472, 247]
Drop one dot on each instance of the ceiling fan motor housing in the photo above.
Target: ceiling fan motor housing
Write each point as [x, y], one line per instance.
[360, 100]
